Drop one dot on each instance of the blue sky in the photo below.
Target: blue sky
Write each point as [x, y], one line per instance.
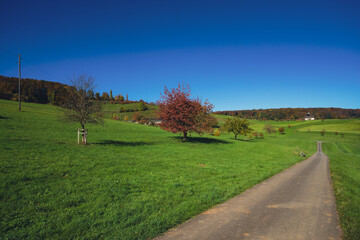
[238, 54]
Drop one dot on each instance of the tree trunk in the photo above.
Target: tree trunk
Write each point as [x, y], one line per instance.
[184, 138]
[235, 136]
[84, 138]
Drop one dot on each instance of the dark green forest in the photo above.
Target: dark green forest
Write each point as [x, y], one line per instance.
[47, 92]
[294, 113]
[32, 90]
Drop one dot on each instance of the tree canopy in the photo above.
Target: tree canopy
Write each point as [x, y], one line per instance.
[180, 113]
[237, 126]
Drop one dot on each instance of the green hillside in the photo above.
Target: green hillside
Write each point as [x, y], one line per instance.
[135, 181]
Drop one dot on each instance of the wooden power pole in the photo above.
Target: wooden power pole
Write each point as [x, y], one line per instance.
[19, 82]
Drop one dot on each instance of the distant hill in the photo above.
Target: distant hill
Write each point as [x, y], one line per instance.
[41, 91]
[294, 113]
[33, 90]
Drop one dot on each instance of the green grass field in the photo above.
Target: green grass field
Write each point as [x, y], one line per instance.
[135, 181]
[109, 109]
[333, 125]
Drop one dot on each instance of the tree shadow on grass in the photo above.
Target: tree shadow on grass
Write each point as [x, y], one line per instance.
[245, 140]
[122, 143]
[202, 140]
[1, 117]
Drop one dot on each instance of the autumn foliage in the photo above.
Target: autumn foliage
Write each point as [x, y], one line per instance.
[180, 113]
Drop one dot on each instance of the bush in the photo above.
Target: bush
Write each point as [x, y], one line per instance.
[255, 134]
[281, 130]
[289, 126]
[261, 135]
[137, 117]
[126, 118]
[216, 132]
[142, 106]
[336, 133]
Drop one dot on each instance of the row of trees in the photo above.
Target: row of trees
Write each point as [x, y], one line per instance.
[294, 113]
[110, 97]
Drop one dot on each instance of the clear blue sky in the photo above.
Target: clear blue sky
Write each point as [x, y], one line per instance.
[238, 54]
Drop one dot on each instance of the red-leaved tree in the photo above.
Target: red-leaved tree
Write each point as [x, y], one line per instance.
[180, 113]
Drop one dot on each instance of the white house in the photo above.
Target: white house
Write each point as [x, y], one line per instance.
[309, 117]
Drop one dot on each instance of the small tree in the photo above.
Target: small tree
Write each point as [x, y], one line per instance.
[269, 128]
[179, 113]
[237, 126]
[79, 107]
[111, 95]
[323, 132]
[105, 96]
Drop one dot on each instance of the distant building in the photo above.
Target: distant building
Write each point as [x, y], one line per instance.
[309, 117]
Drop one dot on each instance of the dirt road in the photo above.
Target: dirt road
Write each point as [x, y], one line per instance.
[297, 203]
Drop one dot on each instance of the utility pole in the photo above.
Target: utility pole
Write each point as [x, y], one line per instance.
[19, 82]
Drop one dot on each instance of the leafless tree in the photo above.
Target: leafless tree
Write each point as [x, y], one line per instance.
[79, 105]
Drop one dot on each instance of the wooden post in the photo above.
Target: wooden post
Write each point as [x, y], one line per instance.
[83, 133]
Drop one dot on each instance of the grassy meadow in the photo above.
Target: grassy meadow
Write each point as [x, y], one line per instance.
[135, 182]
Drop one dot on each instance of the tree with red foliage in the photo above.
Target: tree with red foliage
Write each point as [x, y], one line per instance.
[180, 113]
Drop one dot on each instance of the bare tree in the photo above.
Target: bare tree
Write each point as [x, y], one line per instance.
[79, 105]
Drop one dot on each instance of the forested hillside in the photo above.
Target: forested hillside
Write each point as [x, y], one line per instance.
[41, 91]
[32, 90]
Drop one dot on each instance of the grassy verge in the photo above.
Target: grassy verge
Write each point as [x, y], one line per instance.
[344, 156]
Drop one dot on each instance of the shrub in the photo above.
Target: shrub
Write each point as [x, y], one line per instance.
[289, 126]
[216, 132]
[281, 130]
[144, 121]
[137, 117]
[336, 133]
[255, 134]
[269, 128]
[142, 106]
[323, 132]
[261, 135]
[114, 116]
[126, 118]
